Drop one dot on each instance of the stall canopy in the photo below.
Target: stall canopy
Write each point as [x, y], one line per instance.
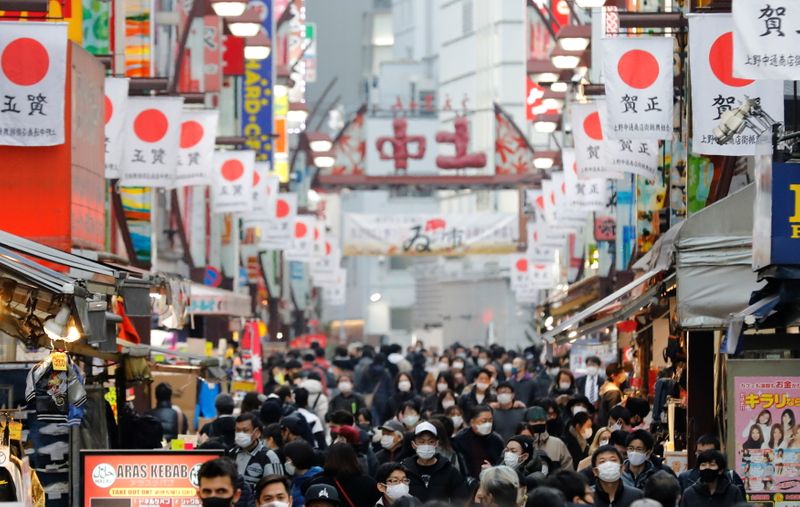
[212, 301]
[714, 262]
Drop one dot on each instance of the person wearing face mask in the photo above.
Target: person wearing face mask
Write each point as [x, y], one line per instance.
[347, 399]
[578, 435]
[456, 416]
[707, 442]
[408, 414]
[443, 383]
[508, 412]
[300, 468]
[552, 446]
[601, 438]
[576, 489]
[392, 483]
[273, 491]
[477, 443]
[638, 468]
[478, 393]
[253, 459]
[405, 392]
[609, 490]
[563, 387]
[391, 442]
[619, 418]
[522, 382]
[518, 453]
[714, 488]
[431, 475]
[589, 384]
[217, 483]
[301, 399]
[611, 392]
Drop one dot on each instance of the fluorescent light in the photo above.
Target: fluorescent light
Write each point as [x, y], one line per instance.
[590, 4]
[544, 77]
[319, 141]
[321, 145]
[559, 87]
[545, 127]
[298, 112]
[313, 195]
[257, 52]
[556, 104]
[245, 28]
[565, 61]
[375, 297]
[543, 162]
[324, 160]
[229, 8]
[574, 43]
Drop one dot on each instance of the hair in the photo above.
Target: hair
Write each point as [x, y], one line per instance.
[365, 413]
[301, 453]
[250, 403]
[403, 375]
[772, 442]
[544, 496]
[594, 359]
[712, 456]
[301, 397]
[345, 376]
[595, 443]
[342, 418]
[663, 487]
[407, 501]
[444, 428]
[619, 437]
[384, 471]
[453, 409]
[620, 412]
[249, 416]
[605, 449]
[224, 404]
[504, 385]
[709, 439]
[273, 479]
[791, 414]
[580, 419]
[478, 410]
[750, 442]
[218, 467]
[643, 435]
[502, 483]
[163, 392]
[273, 431]
[638, 406]
[484, 371]
[568, 374]
[408, 404]
[613, 369]
[569, 482]
[447, 377]
[646, 502]
[769, 414]
[341, 461]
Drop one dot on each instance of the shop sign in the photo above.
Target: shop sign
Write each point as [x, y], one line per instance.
[716, 90]
[776, 227]
[32, 89]
[232, 181]
[767, 449]
[638, 73]
[581, 350]
[142, 478]
[152, 133]
[415, 235]
[196, 155]
[115, 103]
[766, 34]
[257, 92]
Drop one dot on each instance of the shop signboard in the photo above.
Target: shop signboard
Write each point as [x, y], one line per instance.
[581, 350]
[414, 235]
[766, 436]
[776, 225]
[141, 478]
[257, 91]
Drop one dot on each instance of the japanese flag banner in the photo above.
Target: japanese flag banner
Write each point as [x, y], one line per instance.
[115, 104]
[538, 251]
[301, 248]
[520, 267]
[319, 238]
[232, 182]
[638, 74]
[330, 259]
[262, 188]
[715, 90]
[585, 195]
[196, 154]
[33, 66]
[550, 200]
[278, 228]
[334, 290]
[556, 198]
[152, 133]
[765, 39]
[587, 130]
[639, 156]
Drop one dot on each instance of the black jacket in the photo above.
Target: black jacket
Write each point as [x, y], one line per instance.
[350, 404]
[476, 449]
[725, 495]
[691, 477]
[624, 497]
[574, 445]
[360, 489]
[169, 419]
[440, 482]
[223, 427]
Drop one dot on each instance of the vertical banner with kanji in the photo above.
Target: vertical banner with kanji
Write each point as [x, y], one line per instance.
[766, 34]
[302, 245]
[587, 130]
[716, 90]
[257, 92]
[265, 188]
[115, 104]
[582, 194]
[196, 155]
[232, 181]
[277, 230]
[33, 66]
[152, 133]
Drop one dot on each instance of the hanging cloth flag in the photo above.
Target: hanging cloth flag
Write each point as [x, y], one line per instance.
[265, 188]
[277, 229]
[232, 182]
[350, 146]
[302, 246]
[715, 90]
[512, 152]
[152, 134]
[586, 194]
[33, 66]
[196, 154]
[115, 105]
[590, 153]
[634, 156]
[639, 75]
[765, 38]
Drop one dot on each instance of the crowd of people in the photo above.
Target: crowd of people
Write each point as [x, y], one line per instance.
[469, 426]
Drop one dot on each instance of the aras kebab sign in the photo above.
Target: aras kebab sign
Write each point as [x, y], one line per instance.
[141, 478]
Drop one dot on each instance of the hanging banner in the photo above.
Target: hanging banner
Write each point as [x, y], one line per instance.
[765, 38]
[634, 156]
[350, 147]
[639, 81]
[334, 291]
[139, 38]
[257, 91]
[582, 194]
[513, 153]
[716, 90]
[265, 189]
[412, 235]
[96, 23]
[538, 251]
[152, 133]
[330, 259]
[115, 103]
[276, 231]
[232, 181]
[196, 154]
[302, 245]
[587, 130]
[526, 275]
[32, 83]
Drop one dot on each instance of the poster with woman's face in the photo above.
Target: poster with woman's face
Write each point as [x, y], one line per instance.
[767, 437]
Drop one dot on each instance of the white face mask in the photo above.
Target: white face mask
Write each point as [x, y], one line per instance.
[511, 459]
[457, 421]
[591, 371]
[444, 366]
[458, 366]
[290, 468]
[485, 428]
[447, 404]
[603, 442]
[243, 439]
[387, 441]
[586, 433]
[396, 491]
[608, 471]
[345, 387]
[505, 398]
[482, 362]
[442, 387]
[410, 420]
[276, 504]
[426, 451]
[616, 426]
[564, 385]
[481, 386]
[404, 386]
[636, 458]
[507, 368]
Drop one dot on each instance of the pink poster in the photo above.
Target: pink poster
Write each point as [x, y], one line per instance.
[767, 436]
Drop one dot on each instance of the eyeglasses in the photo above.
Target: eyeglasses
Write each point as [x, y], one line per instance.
[395, 482]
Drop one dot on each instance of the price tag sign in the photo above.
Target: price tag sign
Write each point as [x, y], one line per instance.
[59, 361]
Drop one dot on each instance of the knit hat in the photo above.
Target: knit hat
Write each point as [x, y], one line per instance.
[535, 413]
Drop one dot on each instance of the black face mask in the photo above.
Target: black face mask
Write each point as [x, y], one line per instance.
[217, 501]
[709, 475]
[537, 428]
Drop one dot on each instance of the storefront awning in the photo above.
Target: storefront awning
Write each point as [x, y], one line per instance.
[714, 262]
[207, 300]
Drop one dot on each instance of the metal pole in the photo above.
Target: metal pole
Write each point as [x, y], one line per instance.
[236, 252]
[153, 230]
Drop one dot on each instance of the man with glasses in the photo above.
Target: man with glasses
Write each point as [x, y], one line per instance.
[392, 482]
[638, 468]
[431, 475]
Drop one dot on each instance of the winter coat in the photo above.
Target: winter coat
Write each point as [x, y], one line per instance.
[442, 481]
[317, 400]
[725, 495]
[360, 489]
[610, 397]
[298, 485]
[576, 445]
[640, 480]
[170, 420]
[351, 403]
[477, 448]
[624, 497]
[555, 449]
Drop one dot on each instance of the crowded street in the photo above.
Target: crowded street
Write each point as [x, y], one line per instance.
[399, 253]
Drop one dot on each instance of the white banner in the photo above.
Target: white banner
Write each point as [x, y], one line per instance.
[32, 83]
[319, 241]
[715, 89]
[765, 38]
[334, 291]
[587, 130]
[277, 230]
[196, 155]
[232, 182]
[634, 156]
[526, 275]
[265, 188]
[302, 245]
[582, 194]
[450, 234]
[538, 251]
[115, 105]
[638, 73]
[324, 264]
[152, 133]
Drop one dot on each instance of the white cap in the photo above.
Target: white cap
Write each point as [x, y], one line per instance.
[425, 426]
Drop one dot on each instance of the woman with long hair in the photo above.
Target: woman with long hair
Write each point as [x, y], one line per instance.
[755, 439]
[764, 421]
[343, 472]
[788, 422]
[776, 436]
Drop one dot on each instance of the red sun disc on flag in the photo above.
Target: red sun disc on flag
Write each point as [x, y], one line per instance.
[282, 209]
[25, 61]
[720, 58]
[316, 233]
[328, 248]
[638, 69]
[191, 133]
[256, 178]
[522, 265]
[300, 230]
[575, 167]
[151, 125]
[232, 170]
[109, 108]
[592, 127]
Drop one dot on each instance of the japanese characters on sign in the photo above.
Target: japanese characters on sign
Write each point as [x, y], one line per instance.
[301, 248]
[277, 229]
[265, 189]
[582, 194]
[526, 275]
[711, 63]
[334, 286]
[115, 104]
[232, 182]
[587, 129]
[327, 260]
[257, 92]
[32, 83]
[766, 39]
[539, 250]
[152, 135]
[196, 155]
[776, 231]
[639, 74]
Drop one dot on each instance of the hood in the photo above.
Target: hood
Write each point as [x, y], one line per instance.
[412, 466]
[313, 386]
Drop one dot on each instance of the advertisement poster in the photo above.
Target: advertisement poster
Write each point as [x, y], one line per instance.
[140, 478]
[767, 437]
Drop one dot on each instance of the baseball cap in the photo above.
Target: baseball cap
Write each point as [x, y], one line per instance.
[393, 425]
[535, 413]
[425, 426]
[322, 492]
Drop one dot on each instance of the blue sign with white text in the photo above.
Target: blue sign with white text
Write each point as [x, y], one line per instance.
[257, 92]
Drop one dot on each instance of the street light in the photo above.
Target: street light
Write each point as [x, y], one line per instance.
[544, 159]
[546, 123]
[246, 25]
[324, 159]
[590, 4]
[375, 297]
[298, 112]
[319, 141]
[559, 87]
[562, 59]
[574, 37]
[257, 47]
[229, 8]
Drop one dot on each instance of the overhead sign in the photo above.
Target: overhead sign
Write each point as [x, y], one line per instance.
[141, 478]
[277, 228]
[582, 194]
[257, 91]
[233, 181]
[414, 235]
[196, 155]
[766, 35]
[115, 104]
[716, 90]
[152, 134]
[33, 66]
[776, 227]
